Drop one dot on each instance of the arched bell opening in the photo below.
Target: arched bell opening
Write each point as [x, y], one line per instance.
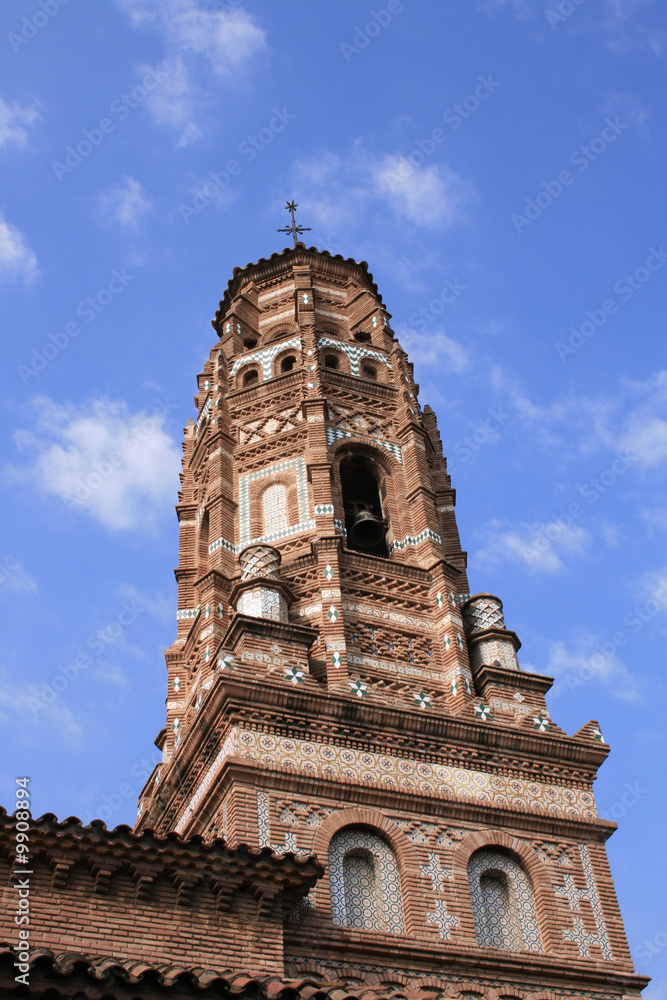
[365, 523]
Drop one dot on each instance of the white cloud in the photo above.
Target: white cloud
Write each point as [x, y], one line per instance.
[430, 351]
[124, 204]
[591, 658]
[118, 467]
[27, 703]
[17, 261]
[12, 121]
[173, 103]
[14, 579]
[539, 547]
[429, 196]
[229, 41]
[628, 108]
[335, 191]
[631, 422]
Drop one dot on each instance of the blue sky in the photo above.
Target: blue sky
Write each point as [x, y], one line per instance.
[500, 165]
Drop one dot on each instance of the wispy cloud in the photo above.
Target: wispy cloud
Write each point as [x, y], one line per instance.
[589, 658]
[14, 121]
[336, 190]
[15, 579]
[17, 260]
[632, 420]
[539, 547]
[124, 204]
[118, 467]
[228, 42]
[429, 351]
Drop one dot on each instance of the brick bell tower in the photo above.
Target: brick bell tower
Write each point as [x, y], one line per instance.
[334, 689]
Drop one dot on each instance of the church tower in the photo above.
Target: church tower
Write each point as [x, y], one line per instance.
[334, 689]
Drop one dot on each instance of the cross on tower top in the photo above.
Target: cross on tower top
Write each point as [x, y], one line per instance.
[295, 230]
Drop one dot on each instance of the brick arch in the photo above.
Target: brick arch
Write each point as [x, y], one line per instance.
[278, 330]
[545, 901]
[277, 361]
[404, 852]
[256, 501]
[393, 480]
[343, 360]
[335, 329]
[252, 365]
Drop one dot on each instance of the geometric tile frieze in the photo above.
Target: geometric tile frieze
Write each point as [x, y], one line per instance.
[388, 771]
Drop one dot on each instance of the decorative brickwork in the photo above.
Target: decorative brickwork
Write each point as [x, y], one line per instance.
[334, 690]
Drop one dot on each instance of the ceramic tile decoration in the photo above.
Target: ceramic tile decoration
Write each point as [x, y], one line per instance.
[263, 830]
[186, 613]
[577, 933]
[482, 613]
[435, 872]
[384, 770]
[490, 650]
[265, 357]
[443, 920]
[305, 523]
[274, 506]
[364, 883]
[335, 434]
[402, 543]
[355, 353]
[502, 902]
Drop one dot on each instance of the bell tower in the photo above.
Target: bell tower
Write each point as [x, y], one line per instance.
[334, 689]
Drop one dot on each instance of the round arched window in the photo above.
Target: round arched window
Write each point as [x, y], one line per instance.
[287, 363]
[251, 377]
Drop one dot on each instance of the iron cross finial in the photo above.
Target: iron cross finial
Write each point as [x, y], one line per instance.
[295, 230]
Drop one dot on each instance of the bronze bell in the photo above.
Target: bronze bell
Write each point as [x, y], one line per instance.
[367, 530]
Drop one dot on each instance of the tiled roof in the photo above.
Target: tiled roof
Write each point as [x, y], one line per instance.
[69, 974]
[71, 839]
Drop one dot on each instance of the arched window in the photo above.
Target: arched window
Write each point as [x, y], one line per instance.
[364, 521]
[287, 363]
[369, 371]
[362, 337]
[249, 343]
[274, 507]
[364, 883]
[251, 377]
[331, 361]
[502, 901]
